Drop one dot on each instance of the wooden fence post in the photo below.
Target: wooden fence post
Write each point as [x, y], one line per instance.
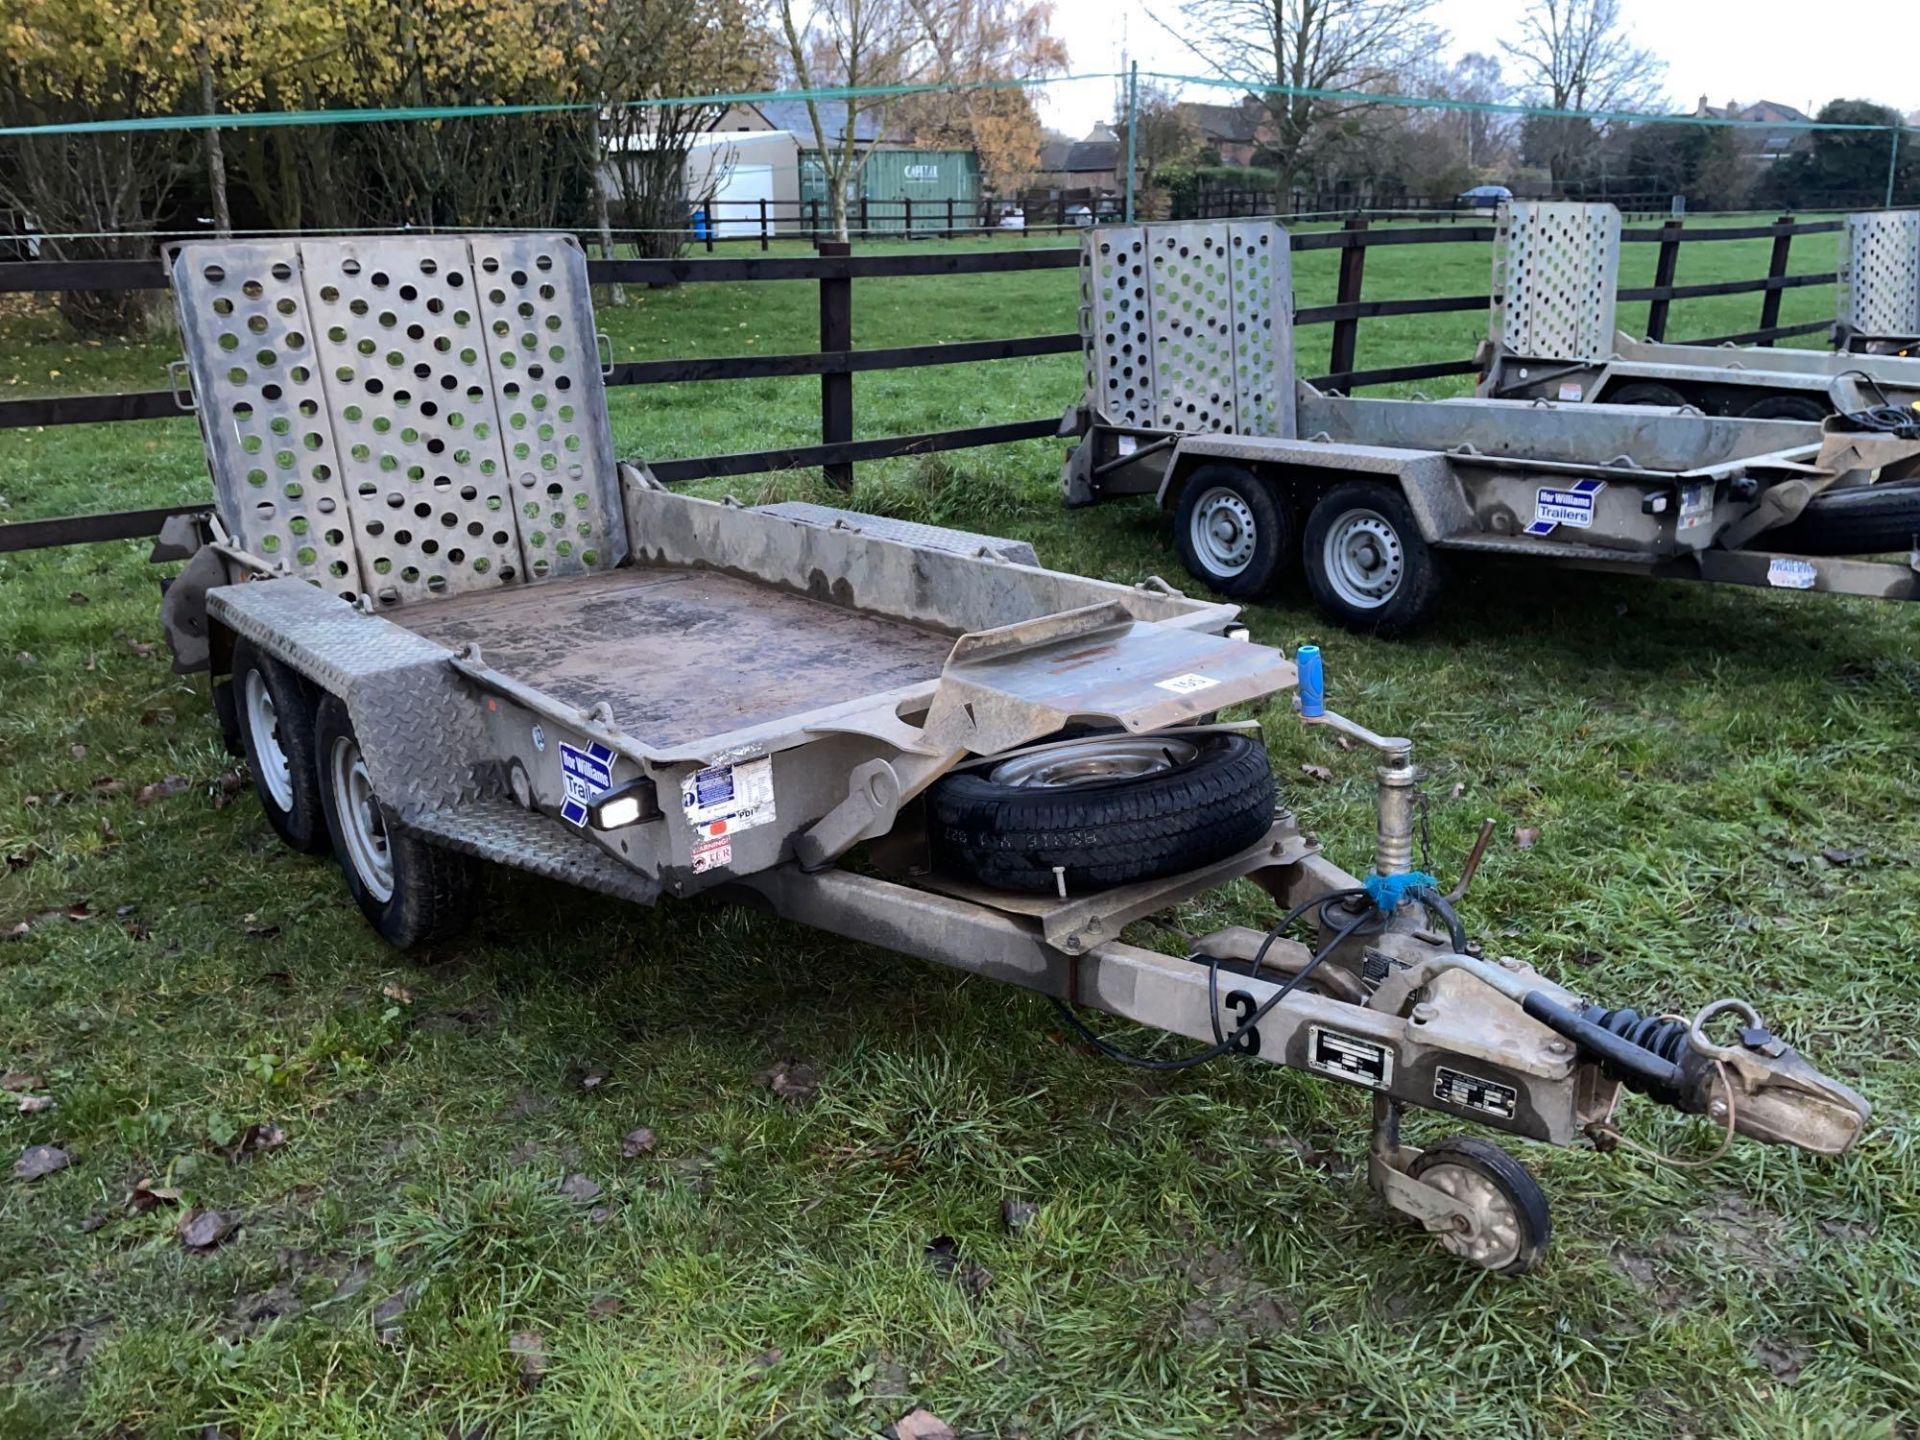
[1353, 269]
[1663, 271]
[763, 222]
[836, 334]
[1776, 270]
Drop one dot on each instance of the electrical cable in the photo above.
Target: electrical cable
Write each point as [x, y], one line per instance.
[1226, 1041]
[1885, 418]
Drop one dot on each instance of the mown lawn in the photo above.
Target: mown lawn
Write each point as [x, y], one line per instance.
[1724, 784]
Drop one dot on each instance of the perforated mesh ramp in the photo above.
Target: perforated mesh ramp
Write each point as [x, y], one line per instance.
[403, 417]
[1880, 273]
[1555, 272]
[1188, 326]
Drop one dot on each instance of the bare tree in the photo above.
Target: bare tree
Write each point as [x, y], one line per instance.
[1285, 51]
[855, 44]
[972, 45]
[1167, 133]
[1577, 55]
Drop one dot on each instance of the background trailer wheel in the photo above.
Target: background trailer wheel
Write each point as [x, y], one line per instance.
[410, 891]
[276, 713]
[1788, 407]
[1105, 809]
[1367, 564]
[1647, 392]
[1233, 531]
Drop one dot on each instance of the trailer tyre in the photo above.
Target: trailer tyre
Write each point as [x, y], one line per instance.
[1854, 520]
[1508, 1205]
[1233, 531]
[1107, 809]
[410, 891]
[1648, 392]
[274, 712]
[1787, 407]
[1367, 564]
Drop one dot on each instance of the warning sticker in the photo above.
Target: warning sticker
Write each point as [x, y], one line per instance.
[1349, 1057]
[1571, 390]
[712, 855]
[1789, 572]
[1186, 684]
[1696, 506]
[1470, 1092]
[726, 799]
[586, 774]
[1571, 506]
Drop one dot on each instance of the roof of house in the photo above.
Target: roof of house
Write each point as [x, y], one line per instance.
[1092, 155]
[792, 115]
[1771, 111]
[1053, 154]
[1235, 124]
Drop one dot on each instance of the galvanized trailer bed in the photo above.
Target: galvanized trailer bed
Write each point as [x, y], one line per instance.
[648, 695]
[1191, 398]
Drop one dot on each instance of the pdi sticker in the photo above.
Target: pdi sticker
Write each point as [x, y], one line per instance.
[1571, 390]
[726, 799]
[1186, 684]
[1696, 506]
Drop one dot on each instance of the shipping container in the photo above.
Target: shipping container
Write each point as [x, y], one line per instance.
[906, 190]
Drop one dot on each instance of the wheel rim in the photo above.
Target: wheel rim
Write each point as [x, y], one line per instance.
[363, 829]
[1495, 1241]
[1087, 762]
[1364, 559]
[263, 725]
[1222, 531]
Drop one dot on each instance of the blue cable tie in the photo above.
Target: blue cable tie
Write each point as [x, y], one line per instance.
[1389, 892]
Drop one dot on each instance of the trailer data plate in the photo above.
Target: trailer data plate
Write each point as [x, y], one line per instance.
[1471, 1092]
[1348, 1057]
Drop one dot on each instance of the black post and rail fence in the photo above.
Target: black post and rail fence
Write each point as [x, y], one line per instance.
[837, 273]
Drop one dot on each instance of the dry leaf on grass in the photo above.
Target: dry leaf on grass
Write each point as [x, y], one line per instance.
[1526, 836]
[1316, 772]
[34, 1104]
[203, 1230]
[38, 1161]
[146, 1197]
[918, 1424]
[637, 1143]
[580, 1187]
[530, 1355]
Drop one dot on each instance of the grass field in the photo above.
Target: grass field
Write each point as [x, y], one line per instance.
[1724, 784]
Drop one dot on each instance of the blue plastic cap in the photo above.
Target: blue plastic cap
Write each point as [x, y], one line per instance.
[1313, 681]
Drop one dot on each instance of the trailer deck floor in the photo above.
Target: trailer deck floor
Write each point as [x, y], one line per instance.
[682, 654]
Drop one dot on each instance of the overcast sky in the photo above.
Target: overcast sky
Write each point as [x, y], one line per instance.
[1727, 49]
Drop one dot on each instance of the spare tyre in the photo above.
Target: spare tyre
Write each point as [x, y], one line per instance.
[1854, 520]
[1106, 809]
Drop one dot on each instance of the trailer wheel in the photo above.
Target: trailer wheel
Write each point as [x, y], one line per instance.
[1854, 520]
[1105, 809]
[1234, 532]
[1787, 407]
[409, 890]
[275, 713]
[1647, 392]
[1367, 564]
[1511, 1227]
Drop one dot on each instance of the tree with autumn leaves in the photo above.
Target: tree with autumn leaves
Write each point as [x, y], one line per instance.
[104, 194]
